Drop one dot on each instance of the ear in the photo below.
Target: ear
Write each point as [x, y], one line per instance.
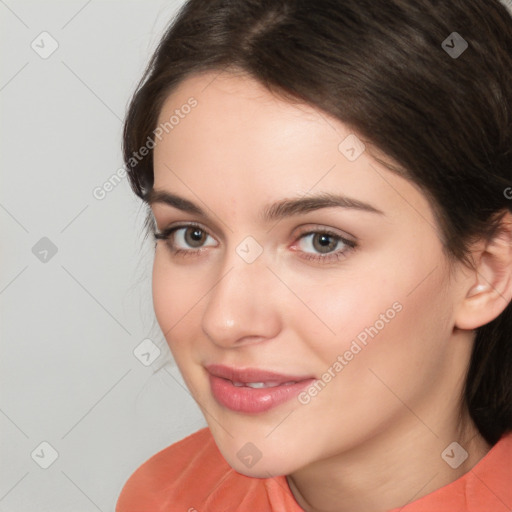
[488, 289]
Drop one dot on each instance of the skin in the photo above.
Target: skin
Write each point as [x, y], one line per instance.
[372, 438]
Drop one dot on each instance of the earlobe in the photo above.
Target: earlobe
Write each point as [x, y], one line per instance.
[490, 285]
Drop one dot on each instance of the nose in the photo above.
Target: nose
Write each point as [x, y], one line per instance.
[241, 307]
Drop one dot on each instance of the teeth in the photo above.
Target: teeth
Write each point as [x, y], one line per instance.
[262, 384]
[257, 385]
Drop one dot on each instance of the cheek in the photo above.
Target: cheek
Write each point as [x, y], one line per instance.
[390, 309]
[175, 291]
[397, 300]
[390, 338]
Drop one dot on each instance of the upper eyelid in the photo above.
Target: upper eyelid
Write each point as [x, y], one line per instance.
[314, 229]
[174, 228]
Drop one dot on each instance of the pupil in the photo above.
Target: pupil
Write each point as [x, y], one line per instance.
[195, 235]
[325, 243]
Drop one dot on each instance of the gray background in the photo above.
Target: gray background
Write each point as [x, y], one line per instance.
[70, 321]
[87, 387]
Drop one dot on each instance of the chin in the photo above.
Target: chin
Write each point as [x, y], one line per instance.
[259, 470]
[257, 462]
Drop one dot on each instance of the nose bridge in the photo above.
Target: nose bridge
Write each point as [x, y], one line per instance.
[239, 305]
[243, 267]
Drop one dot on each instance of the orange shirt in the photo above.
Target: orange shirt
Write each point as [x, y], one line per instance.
[192, 476]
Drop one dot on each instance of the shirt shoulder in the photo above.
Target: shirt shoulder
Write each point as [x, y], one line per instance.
[193, 476]
[486, 487]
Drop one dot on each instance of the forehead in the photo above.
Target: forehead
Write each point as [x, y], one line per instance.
[237, 112]
[233, 87]
[243, 143]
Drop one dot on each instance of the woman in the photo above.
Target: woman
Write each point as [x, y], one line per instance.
[329, 188]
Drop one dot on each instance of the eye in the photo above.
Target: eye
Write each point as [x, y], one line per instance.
[324, 246]
[190, 238]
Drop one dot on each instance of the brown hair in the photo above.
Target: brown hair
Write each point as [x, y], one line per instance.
[393, 71]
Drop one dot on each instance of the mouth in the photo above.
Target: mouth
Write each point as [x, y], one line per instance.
[259, 385]
[250, 390]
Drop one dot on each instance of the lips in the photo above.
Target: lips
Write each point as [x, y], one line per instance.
[249, 375]
[251, 390]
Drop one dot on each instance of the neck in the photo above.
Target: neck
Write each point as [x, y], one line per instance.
[388, 471]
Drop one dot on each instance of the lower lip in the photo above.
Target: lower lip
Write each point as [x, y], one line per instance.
[253, 400]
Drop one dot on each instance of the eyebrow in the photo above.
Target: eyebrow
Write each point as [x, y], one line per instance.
[275, 211]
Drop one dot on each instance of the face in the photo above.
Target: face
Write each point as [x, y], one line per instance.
[295, 327]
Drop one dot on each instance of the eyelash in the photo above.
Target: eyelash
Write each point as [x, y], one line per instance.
[328, 258]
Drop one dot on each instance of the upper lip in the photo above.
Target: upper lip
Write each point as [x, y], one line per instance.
[252, 374]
